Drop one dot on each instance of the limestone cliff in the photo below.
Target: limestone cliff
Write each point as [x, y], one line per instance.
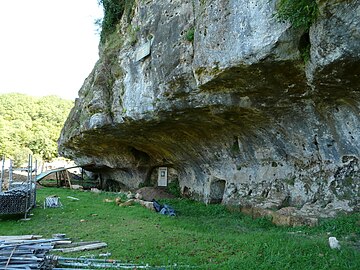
[235, 111]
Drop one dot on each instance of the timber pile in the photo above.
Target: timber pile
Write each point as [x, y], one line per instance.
[25, 252]
[32, 252]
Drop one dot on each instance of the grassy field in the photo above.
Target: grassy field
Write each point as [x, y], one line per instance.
[205, 237]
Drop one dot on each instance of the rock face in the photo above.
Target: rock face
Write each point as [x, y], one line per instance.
[235, 111]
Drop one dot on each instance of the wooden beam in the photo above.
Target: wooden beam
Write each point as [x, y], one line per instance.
[82, 248]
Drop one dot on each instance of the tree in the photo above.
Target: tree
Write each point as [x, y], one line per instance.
[30, 125]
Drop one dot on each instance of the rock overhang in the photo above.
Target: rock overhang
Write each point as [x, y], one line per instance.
[274, 129]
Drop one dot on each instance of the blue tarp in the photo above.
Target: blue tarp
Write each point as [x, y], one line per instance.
[164, 209]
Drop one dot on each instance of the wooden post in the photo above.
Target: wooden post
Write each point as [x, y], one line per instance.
[10, 173]
[82, 176]
[60, 178]
[57, 179]
[64, 178]
[28, 191]
[63, 181]
[68, 178]
[34, 180]
[2, 173]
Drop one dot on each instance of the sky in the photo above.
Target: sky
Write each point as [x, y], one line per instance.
[47, 47]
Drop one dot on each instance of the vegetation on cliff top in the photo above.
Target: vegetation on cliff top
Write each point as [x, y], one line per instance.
[301, 14]
[30, 125]
[113, 12]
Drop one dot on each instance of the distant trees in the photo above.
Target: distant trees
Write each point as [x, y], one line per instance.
[30, 125]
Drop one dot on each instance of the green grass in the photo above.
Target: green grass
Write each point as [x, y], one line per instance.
[207, 237]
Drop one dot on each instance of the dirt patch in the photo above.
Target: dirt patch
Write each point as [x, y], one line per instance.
[16, 177]
[150, 193]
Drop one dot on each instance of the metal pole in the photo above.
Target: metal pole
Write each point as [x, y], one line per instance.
[36, 164]
[2, 172]
[30, 181]
[27, 189]
[10, 173]
[8, 261]
[34, 183]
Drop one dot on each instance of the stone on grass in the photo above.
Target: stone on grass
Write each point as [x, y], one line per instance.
[77, 187]
[334, 243]
[146, 204]
[118, 200]
[95, 190]
[127, 203]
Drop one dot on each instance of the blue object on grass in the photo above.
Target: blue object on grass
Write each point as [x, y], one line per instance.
[167, 210]
[164, 209]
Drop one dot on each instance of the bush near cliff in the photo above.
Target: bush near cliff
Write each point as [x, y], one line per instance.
[113, 12]
[300, 13]
[30, 125]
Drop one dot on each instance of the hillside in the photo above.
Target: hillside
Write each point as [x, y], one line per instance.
[31, 125]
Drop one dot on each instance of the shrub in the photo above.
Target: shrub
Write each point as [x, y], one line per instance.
[113, 11]
[190, 34]
[300, 13]
[174, 188]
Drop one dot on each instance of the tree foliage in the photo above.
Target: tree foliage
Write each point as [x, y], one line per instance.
[30, 125]
[113, 11]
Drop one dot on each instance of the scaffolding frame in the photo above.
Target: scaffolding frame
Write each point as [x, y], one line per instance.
[19, 198]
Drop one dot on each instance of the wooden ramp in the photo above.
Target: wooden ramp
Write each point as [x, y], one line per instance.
[42, 175]
[65, 179]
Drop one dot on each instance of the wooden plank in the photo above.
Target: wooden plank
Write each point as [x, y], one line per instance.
[63, 242]
[82, 248]
[76, 244]
[68, 178]
[19, 237]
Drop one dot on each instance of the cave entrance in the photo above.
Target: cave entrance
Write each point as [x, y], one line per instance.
[217, 189]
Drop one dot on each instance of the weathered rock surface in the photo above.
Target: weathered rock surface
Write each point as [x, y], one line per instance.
[235, 111]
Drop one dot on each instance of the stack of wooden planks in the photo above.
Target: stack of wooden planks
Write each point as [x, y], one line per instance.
[25, 252]
[32, 251]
